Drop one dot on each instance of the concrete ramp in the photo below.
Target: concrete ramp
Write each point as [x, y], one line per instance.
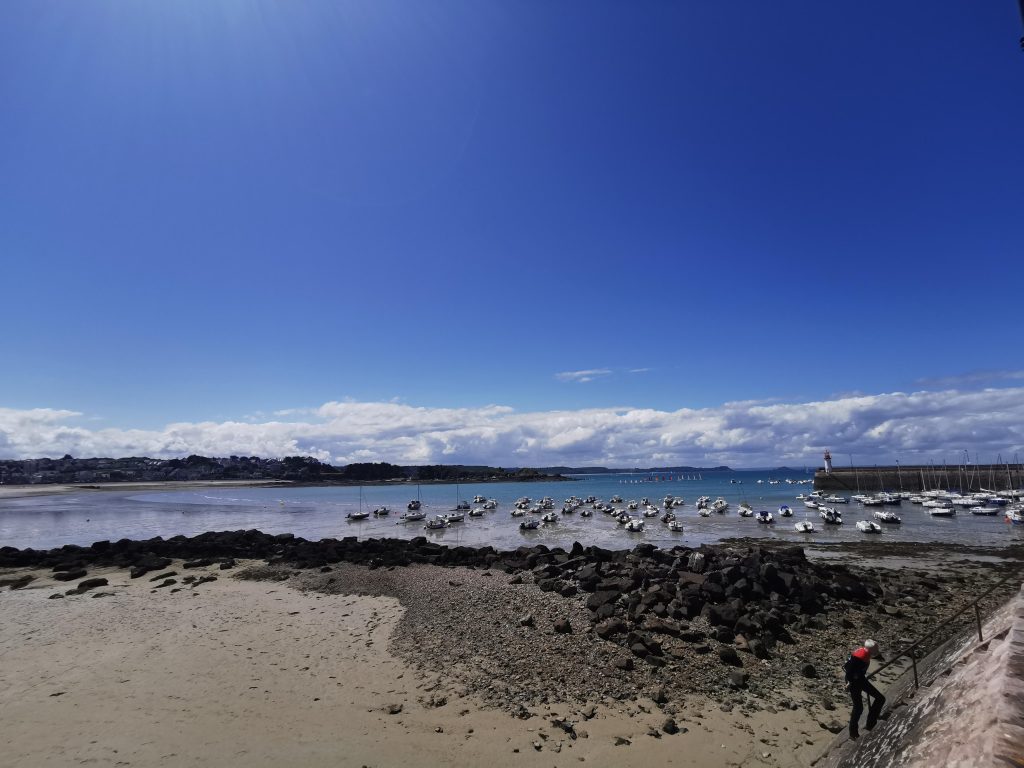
[970, 716]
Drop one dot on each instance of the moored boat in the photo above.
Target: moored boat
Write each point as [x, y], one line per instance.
[830, 515]
[868, 526]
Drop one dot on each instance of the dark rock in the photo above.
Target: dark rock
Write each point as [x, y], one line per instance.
[167, 583]
[202, 562]
[90, 584]
[609, 628]
[729, 656]
[57, 596]
[17, 582]
[599, 599]
[808, 670]
[526, 621]
[165, 575]
[563, 627]
[738, 678]
[71, 575]
[623, 662]
[758, 648]
[669, 726]
[393, 709]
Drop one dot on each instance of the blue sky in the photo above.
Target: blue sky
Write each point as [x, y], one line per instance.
[216, 211]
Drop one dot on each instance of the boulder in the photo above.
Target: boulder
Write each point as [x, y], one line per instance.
[71, 575]
[563, 627]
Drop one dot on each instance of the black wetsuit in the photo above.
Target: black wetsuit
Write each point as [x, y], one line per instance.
[856, 668]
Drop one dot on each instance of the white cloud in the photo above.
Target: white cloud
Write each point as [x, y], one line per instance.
[917, 426]
[581, 377]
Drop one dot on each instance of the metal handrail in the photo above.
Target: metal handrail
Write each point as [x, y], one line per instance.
[977, 617]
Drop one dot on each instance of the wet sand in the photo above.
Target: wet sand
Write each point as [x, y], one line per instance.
[26, 491]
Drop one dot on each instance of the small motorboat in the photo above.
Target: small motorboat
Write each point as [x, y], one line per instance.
[529, 525]
[765, 517]
[414, 505]
[811, 504]
[436, 524]
[616, 499]
[381, 512]
[477, 512]
[585, 513]
[872, 501]
[720, 505]
[1015, 516]
[354, 516]
[518, 512]
[830, 516]
[705, 512]
[675, 526]
[549, 517]
[785, 511]
[650, 511]
[455, 517]
[568, 509]
[411, 516]
[491, 504]
[478, 499]
[635, 526]
[886, 516]
[836, 499]
[804, 526]
[868, 526]
[985, 511]
[942, 511]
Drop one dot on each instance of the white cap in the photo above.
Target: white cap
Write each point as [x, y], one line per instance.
[871, 645]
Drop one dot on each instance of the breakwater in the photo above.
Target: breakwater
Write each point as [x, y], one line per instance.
[917, 478]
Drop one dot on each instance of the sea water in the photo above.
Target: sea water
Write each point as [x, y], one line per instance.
[319, 512]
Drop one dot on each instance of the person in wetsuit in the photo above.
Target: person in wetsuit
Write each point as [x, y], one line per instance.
[856, 669]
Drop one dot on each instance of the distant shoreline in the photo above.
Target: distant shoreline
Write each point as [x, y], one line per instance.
[59, 489]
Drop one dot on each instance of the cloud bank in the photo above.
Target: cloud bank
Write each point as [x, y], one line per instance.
[918, 426]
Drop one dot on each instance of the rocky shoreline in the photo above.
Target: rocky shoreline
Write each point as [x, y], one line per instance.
[746, 627]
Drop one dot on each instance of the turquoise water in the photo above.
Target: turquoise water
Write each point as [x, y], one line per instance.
[319, 512]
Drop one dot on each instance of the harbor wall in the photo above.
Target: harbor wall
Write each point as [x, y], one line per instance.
[993, 477]
[969, 712]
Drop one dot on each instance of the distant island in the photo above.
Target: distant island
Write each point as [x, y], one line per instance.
[635, 470]
[303, 470]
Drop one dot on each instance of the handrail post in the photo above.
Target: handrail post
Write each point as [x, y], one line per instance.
[977, 618]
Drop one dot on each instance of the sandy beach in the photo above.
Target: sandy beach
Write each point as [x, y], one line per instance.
[252, 673]
[259, 664]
